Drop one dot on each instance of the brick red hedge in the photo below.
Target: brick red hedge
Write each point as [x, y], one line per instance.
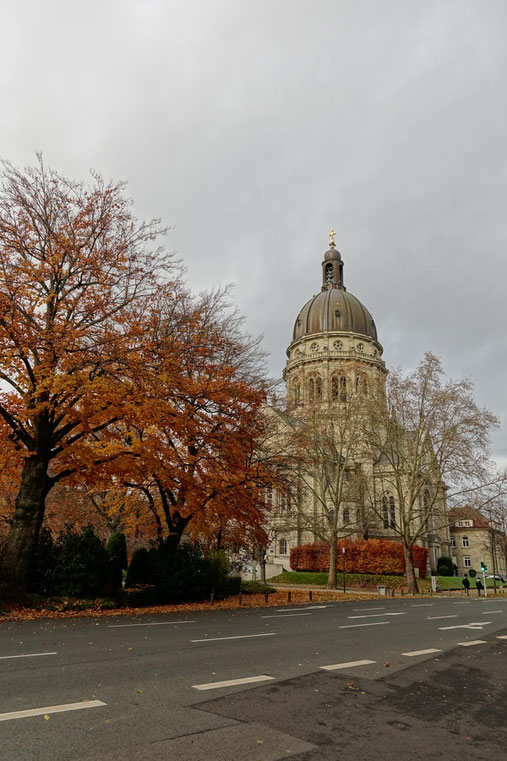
[361, 556]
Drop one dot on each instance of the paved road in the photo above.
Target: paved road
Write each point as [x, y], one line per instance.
[123, 688]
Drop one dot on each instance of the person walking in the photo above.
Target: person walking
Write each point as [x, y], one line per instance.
[466, 584]
[479, 586]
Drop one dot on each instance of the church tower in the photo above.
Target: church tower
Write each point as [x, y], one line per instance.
[334, 350]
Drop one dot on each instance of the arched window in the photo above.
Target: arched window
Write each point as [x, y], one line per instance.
[318, 389]
[392, 512]
[282, 546]
[311, 390]
[343, 389]
[296, 391]
[385, 512]
[346, 517]
[334, 387]
[329, 273]
[361, 384]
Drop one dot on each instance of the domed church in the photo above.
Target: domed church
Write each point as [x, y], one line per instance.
[335, 358]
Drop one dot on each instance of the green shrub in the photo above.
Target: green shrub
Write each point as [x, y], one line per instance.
[217, 569]
[44, 561]
[139, 570]
[445, 566]
[116, 547]
[472, 572]
[82, 565]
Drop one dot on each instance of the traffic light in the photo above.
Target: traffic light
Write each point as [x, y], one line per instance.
[484, 567]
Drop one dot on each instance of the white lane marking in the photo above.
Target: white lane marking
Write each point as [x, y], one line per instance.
[423, 605]
[25, 655]
[347, 665]
[156, 623]
[372, 623]
[287, 615]
[477, 625]
[309, 607]
[461, 603]
[502, 636]
[51, 709]
[435, 618]
[423, 652]
[473, 642]
[359, 610]
[232, 682]
[237, 636]
[378, 615]
[487, 612]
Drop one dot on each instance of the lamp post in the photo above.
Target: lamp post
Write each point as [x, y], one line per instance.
[344, 583]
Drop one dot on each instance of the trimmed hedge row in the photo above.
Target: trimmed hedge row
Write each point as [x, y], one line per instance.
[361, 556]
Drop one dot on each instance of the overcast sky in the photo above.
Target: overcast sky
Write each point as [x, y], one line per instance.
[254, 126]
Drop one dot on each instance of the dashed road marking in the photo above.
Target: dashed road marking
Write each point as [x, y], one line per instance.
[237, 636]
[309, 607]
[51, 709]
[232, 682]
[372, 623]
[434, 618]
[487, 612]
[476, 625]
[423, 652]
[378, 615]
[462, 603]
[473, 642]
[348, 665]
[502, 636]
[423, 605]
[359, 610]
[25, 655]
[156, 623]
[287, 615]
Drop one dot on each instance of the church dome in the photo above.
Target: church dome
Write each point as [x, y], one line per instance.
[334, 309]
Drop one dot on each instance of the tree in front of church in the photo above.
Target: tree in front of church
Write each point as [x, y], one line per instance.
[430, 440]
[325, 447]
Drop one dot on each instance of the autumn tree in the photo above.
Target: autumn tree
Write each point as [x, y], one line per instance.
[194, 437]
[431, 444]
[77, 273]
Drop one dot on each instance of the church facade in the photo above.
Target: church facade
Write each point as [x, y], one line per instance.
[334, 361]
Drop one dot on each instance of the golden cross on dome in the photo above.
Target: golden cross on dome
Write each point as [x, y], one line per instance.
[331, 237]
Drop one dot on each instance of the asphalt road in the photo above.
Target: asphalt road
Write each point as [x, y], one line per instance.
[156, 687]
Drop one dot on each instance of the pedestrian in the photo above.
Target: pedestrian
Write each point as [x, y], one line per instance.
[466, 583]
[479, 586]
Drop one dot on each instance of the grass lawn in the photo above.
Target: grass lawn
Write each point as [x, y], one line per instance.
[370, 581]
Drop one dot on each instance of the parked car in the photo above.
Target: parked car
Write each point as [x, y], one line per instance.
[496, 576]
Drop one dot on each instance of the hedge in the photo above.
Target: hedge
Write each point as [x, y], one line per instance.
[361, 556]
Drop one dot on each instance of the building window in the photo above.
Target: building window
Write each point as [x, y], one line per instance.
[465, 542]
[318, 389]
[467, 562]
[346, 517]
[337, 346]
[385, 512]
[453, 542]
[311, 389]
[343, 389]
[297, 391]
[269, 495]
[392, 512]
[283, 547]
[329, 273]
[334, 387]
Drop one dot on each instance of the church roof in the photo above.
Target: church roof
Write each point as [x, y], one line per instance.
[334, 309]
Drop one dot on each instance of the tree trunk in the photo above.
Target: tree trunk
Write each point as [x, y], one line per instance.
[409, 571]
[28, 516]
[331, 579]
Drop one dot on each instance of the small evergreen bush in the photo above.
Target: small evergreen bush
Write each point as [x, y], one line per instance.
[445, 566]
